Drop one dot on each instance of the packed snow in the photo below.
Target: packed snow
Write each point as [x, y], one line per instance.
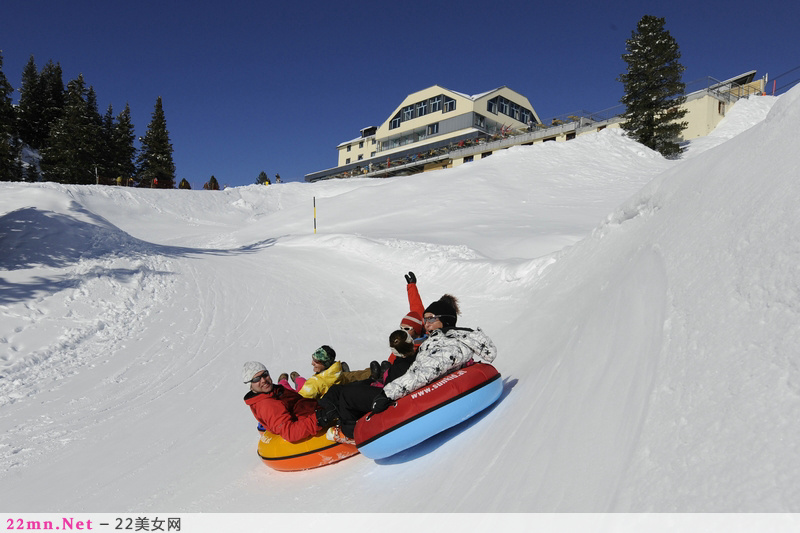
[645, 311]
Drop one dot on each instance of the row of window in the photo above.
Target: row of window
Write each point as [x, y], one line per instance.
[360, 158]
[360, 144]
[440, 102]
[498, 104]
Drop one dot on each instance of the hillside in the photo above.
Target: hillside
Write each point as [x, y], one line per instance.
[645, 312]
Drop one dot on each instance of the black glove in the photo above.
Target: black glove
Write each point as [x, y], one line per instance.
[325, 419]
[411, 278]
[381, 403]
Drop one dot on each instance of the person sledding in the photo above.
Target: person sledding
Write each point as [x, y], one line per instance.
[412, 322]
[342, 406]
[404, 352]
[327, 372]
[279, 410]
[447, 348]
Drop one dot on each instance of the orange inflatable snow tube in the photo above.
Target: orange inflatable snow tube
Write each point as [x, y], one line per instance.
[313, 452]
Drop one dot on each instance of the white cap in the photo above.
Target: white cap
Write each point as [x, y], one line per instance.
[250, 369]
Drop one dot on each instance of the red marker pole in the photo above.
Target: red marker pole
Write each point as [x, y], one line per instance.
[315, 215]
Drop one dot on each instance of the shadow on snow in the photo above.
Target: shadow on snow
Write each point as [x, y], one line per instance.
[32, 237]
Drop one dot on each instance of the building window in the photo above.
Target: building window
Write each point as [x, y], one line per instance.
[408, 112]
[360, 157]
[479, 121]
[484, 155]
[433, 129]
[571, 135]
[503, 105]
[348, 147]
[491, 106]
[449, 104]
[347, 161]
[469, 159]
[372, 154]
[422, 109]
[395, 122]
[361, 144]
[436, 104]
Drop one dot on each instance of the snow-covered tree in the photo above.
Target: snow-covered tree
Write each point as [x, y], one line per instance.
[654, 90]
[155, 157]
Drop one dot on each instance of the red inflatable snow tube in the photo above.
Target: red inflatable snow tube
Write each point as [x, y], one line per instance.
[428, 410]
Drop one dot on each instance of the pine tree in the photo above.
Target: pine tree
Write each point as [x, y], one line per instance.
[212, 184]
[10, 166]
[262, 178]
[70, 155]
[53, 96]
[30, 107]
[41, 103]
[653, 87]
[122, 147]
[95, 144]
[184, 184]
[107, 154]
[155, 158]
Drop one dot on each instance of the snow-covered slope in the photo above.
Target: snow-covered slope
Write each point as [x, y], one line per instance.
[645, 313]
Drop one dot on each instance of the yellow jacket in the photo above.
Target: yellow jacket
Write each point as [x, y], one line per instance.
[318, 384]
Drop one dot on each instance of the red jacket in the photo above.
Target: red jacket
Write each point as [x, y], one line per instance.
[414, 301]
[285, 413]
[414, 304]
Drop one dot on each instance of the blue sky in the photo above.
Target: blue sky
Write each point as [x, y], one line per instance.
[275, 86]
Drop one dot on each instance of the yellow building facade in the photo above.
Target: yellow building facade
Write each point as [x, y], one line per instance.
[434, 117]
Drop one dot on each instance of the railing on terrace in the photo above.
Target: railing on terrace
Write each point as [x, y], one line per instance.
[728, 91]
[582, 115]
[483, 142]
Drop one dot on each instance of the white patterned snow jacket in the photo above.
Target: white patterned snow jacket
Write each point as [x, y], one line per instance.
[443, 351]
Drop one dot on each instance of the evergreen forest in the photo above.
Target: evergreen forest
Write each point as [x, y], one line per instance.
[57, 133]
